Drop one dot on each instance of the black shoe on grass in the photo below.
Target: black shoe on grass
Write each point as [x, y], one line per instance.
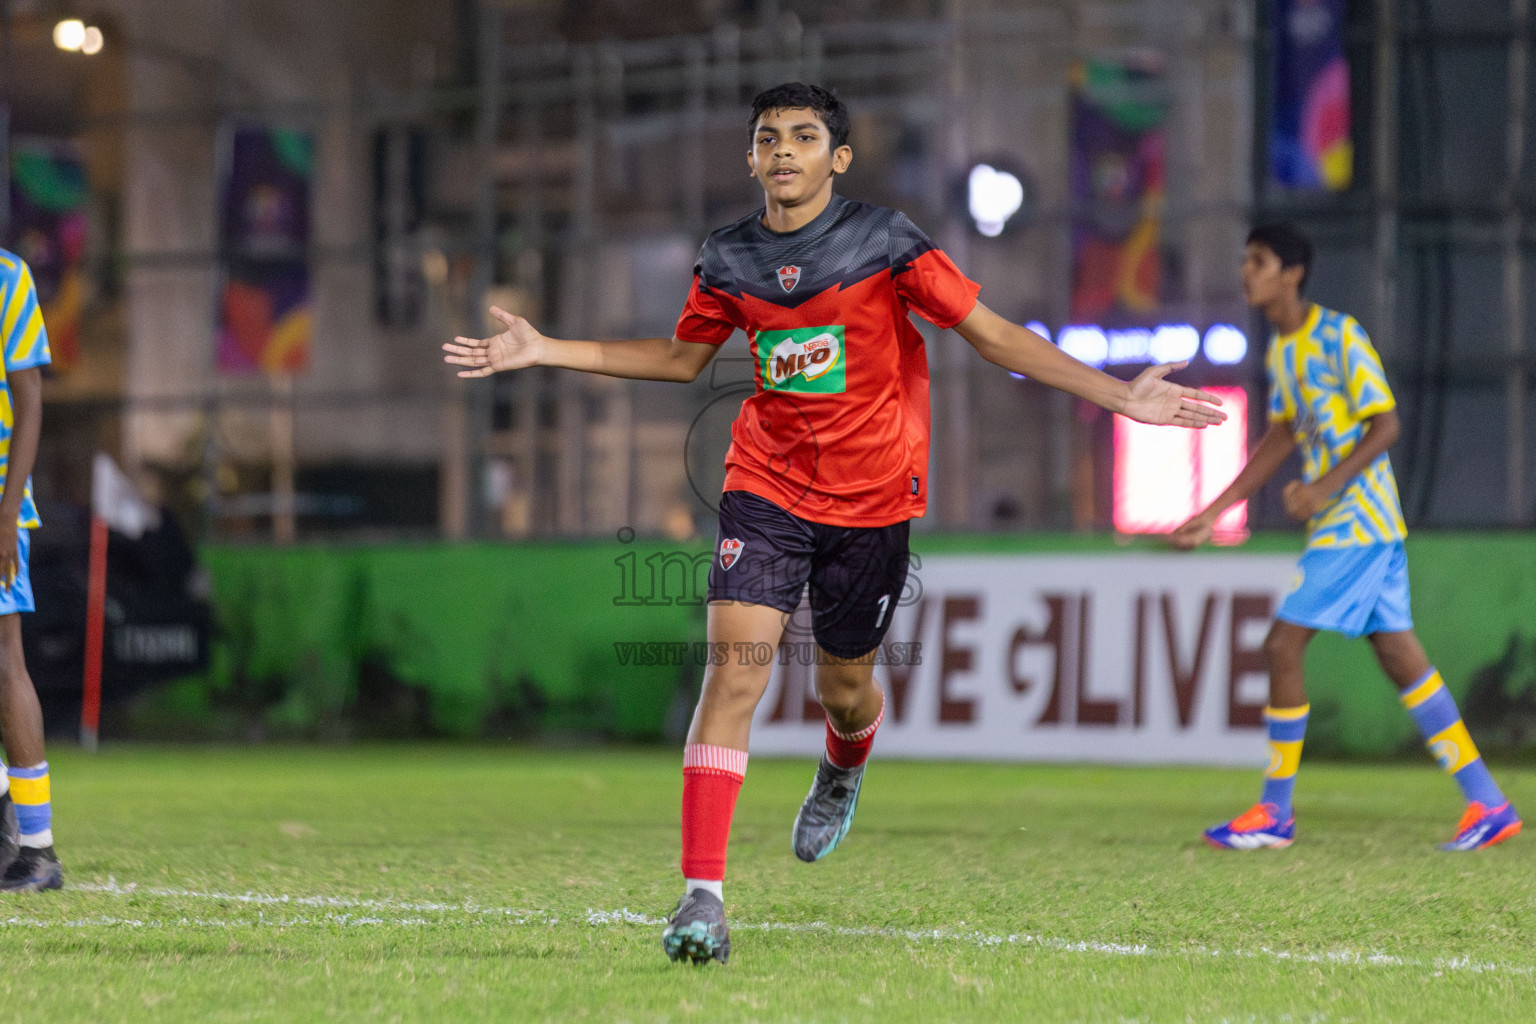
[696, 930]
[33, 870]
[10, 833]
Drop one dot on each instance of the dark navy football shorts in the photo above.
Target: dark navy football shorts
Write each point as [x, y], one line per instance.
[765, 555]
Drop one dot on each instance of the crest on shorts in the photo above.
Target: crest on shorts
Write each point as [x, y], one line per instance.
[789, 277]
[730, 550]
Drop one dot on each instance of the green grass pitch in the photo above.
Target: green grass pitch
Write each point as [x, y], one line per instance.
[480, 883]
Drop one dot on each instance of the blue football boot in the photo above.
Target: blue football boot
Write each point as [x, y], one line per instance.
[1481, 827]
[1257, 828]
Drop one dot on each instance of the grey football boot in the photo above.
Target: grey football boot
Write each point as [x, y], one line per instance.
[696, 930]
[827, 813]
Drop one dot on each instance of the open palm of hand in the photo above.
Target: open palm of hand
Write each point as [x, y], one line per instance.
[1155, 400]
[513, 349]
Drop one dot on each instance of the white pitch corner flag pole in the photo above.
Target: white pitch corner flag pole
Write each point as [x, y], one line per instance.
[115, 505]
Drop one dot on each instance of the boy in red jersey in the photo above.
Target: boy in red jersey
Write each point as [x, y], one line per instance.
[828, 459]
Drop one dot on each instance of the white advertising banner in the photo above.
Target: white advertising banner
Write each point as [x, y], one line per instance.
[1126, 658]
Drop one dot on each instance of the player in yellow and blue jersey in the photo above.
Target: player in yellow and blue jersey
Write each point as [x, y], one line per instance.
[27, 860]
[1329, 397]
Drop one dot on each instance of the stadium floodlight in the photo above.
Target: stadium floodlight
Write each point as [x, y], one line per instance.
[1096, 345]
[1225, 345]
[69, 34]
[74, 36]
[1129, 346]
[1172, 343]
[992, 196]
[1085, 344]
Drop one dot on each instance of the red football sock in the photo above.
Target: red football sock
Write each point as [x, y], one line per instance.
[711, 780]
[850, 751]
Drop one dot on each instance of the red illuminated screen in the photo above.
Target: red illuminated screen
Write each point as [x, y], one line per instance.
[1164, 475]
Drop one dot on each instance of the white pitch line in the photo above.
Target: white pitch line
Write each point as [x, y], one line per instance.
[329, 920]
[1343, 957]
[625, 916]
[112, 888]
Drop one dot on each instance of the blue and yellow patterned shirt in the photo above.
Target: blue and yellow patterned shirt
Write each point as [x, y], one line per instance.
[26, 346]
[1326, 381]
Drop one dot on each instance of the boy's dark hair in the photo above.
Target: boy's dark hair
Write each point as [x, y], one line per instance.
[799, 96]
[1288, 243]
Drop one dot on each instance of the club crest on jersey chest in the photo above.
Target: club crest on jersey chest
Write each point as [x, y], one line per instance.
[789, 276]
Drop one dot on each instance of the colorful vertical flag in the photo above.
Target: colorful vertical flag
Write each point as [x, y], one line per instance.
[1309, 135]
[265, 308]
[48, 230]
[1118, 110]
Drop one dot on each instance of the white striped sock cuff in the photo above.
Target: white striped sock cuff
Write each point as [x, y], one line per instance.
[716, 759]
[866, 732]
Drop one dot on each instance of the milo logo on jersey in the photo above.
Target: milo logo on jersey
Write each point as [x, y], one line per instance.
[808, 360]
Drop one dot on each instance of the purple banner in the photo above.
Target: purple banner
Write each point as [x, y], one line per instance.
[1309, 137]
[1118, 109]
[48, 230]
[265, 319]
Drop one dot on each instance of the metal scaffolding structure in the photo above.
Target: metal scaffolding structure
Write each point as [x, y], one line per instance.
[567, 120]
[1445, 89]
[573, 182]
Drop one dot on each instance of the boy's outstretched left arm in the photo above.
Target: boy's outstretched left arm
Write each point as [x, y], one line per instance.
[1149, 398]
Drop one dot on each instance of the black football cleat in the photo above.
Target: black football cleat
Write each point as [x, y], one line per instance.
[10, 832]
[33, 870]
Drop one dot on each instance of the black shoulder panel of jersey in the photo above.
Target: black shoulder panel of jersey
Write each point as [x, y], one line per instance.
[847, 243]
[907, 243]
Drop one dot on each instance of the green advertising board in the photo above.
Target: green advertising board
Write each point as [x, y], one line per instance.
[599, 640]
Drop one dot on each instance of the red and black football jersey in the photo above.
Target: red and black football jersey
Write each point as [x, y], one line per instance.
[836, 431]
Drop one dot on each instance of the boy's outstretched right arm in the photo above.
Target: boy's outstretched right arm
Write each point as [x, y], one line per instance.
[520, 346]
[1265, 461]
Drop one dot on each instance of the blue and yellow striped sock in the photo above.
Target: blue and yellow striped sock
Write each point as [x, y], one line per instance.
[1287, 727]
[34, 811]
[1434, 711]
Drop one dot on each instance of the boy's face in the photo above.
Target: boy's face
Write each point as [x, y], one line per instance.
[792, 155]
[1264, 279]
